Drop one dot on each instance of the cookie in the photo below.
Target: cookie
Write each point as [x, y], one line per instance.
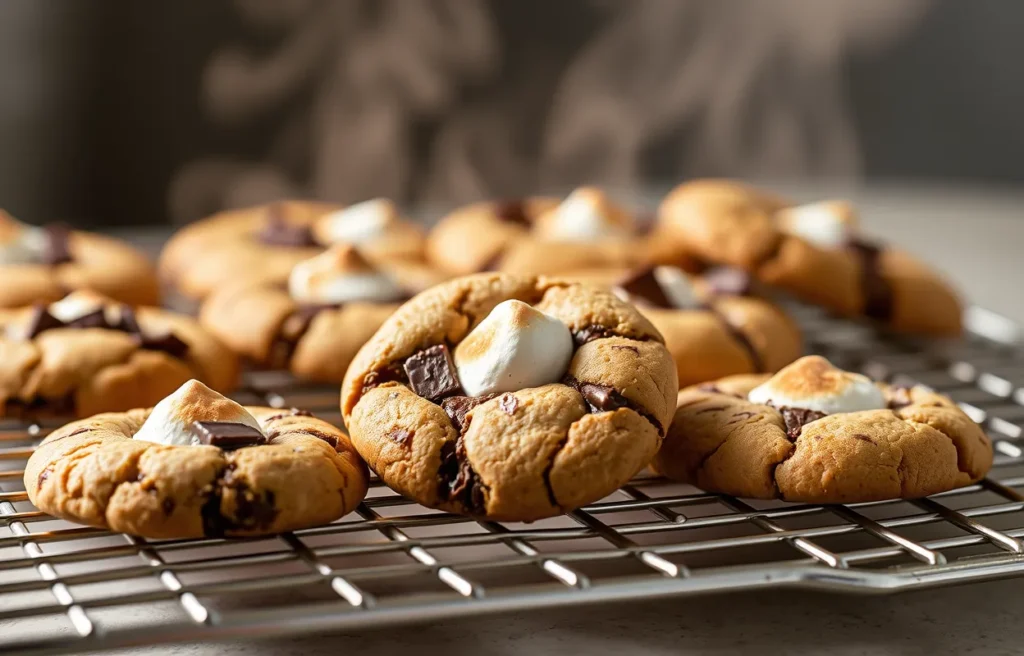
[87, 354]
[263, 244]
[510, 397]
[816, 434]
[538, 236]
[315, 323]
[43, 264]
[813, 251]
[197, 465]
[713, 326]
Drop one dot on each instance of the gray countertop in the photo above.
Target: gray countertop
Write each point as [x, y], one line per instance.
[975, 236]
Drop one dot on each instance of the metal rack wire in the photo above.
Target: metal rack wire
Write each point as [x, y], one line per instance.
[69, 589]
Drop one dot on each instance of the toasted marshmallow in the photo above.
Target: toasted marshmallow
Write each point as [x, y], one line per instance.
[341, 275]
[513, 348]
[79, 303]
[170, 421]
[20, 243]
[828, 224]
[357, 224]
[587, 215]
[813, 383]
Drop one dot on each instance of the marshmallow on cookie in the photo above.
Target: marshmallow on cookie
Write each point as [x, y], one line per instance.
[20, 243]
[341, 275]
[357, 224]
[81, 303]
[812, 383]
[586, 215]
[173, 421]
[829, 224]
[516, 346]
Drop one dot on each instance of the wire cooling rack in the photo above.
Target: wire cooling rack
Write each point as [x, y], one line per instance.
[70, 589]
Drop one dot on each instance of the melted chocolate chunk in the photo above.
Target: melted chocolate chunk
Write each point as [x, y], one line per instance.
[58, 245]
[392, 373]
[878, 300]
[278, 231]
[458, 480]
[602, 398]
[729, 281]
[42, 321]
[168, 343]
[797, 418]
[251, 510]
[226, 435]
[512, 211]
[432, 373]
[590, 333]
[401, 436]
[643, 288]
[457, 407]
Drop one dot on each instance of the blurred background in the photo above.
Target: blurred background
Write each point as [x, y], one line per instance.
[127, 113]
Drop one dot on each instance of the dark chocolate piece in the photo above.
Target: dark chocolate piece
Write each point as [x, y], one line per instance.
[58, 245]
[457, 407]
[401, 436]
[602, 398]
[432, 373]
[278, 231]
[227, 435]
[878, 299]
[459, 482]
[95, 319]
[41, 321]
[512, 211]
[168, 343]
[392, 373]
[590, 333]
[796, 418]
[729, 281]
[127, 321]
[643, 288]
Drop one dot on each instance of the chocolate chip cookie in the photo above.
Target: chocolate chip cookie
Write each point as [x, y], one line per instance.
[315, 323]
[43, 264]
[263, 244]
[813, 251]
[197, 465]
[87, 354]
[714, 325]
[510, 397]
[539, 235]
[816, 434]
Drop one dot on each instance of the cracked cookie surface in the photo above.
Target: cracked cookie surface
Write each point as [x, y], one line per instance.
[516, 455]
[93, 472]
[921, 443]
[812, 251]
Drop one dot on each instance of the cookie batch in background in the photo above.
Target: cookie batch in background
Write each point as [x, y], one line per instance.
[520, 360]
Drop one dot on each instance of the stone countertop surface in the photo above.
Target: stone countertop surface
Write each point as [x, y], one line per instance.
[974, 235]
